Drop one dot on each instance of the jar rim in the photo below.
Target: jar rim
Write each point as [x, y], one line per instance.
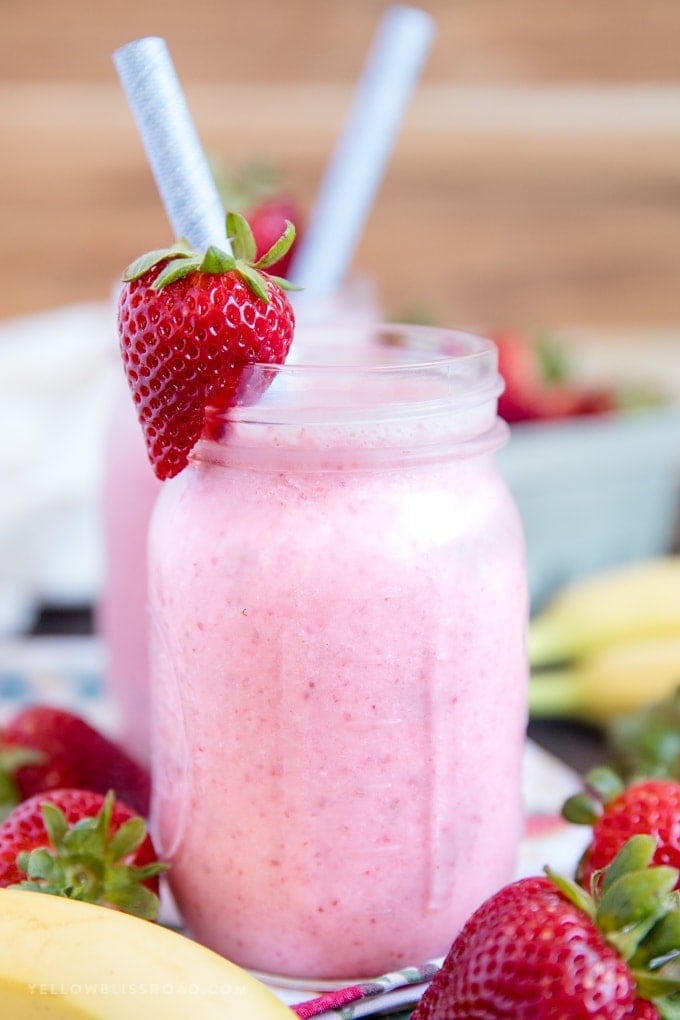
[385, 369]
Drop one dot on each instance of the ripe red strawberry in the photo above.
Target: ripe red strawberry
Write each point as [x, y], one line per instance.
[539, 385]
[542, 949]
[81, 844]
[268, 221]
[44, 748]
[616, 813]
[189, 324]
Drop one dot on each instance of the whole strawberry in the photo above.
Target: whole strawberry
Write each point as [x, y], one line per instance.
[44, 748]
[189, 324]
[83, 845]
[616, 813]
[542, 949]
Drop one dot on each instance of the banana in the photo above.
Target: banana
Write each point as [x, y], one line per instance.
[638, 600]
[66, 960]
[619, 679]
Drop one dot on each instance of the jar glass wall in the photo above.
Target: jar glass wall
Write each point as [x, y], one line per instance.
[338, 610]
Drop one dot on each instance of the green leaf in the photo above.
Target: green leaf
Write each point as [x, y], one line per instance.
[147, 871]
[216, 260]
[83, 839]
[635, 855]
[141, 265]
[627, 940]
[255, 280]
[573, 892]
[175, 270]
[127, 839]
[283, 283]
[55, 823]
[241, 237]
[135, 899]
[634, 897]
[279, 248]
[36, 863]
[668, 1009]
[581, 809]
[658, 988]
[661, 945]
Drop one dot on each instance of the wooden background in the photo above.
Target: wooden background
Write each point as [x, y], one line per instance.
[536, 180]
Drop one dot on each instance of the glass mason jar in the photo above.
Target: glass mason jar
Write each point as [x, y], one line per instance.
[338, 610]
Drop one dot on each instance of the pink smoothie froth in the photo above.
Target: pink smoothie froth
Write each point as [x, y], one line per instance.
[339, 698]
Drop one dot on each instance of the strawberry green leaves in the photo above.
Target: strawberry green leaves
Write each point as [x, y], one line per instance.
[180, 259]
[87, 861]
[636, 908]
[181, 249]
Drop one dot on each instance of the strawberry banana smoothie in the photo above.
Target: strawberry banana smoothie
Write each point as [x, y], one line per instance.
[338, 608]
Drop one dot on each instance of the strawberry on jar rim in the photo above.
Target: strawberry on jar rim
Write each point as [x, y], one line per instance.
[544, 949]
[189, 324]
[83, 845]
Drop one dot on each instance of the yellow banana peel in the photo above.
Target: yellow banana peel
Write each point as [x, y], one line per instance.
[615, 681]
[66, 960]
[633, 601]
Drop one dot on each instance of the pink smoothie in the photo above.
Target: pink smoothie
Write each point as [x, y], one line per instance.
[338, 616]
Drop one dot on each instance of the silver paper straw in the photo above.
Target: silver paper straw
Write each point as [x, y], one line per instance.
[177, 161]
[358, 163]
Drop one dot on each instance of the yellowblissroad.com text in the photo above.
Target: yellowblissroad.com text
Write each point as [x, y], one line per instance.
[121, 989]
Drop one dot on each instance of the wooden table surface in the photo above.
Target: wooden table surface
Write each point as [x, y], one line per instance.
[536, 180]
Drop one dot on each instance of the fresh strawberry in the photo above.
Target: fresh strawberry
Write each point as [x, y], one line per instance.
[268, 221]
[544, 949]
[189, 324]
[538, 382]
[616, 813]
[84, 845]
[44, 748]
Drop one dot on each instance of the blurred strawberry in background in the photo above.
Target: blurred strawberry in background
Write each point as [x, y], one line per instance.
[255, 190]
[540, 383]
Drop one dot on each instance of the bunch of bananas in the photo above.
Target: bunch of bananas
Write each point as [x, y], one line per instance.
[608, 644]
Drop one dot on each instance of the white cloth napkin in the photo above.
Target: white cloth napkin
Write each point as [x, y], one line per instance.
[56, 373]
